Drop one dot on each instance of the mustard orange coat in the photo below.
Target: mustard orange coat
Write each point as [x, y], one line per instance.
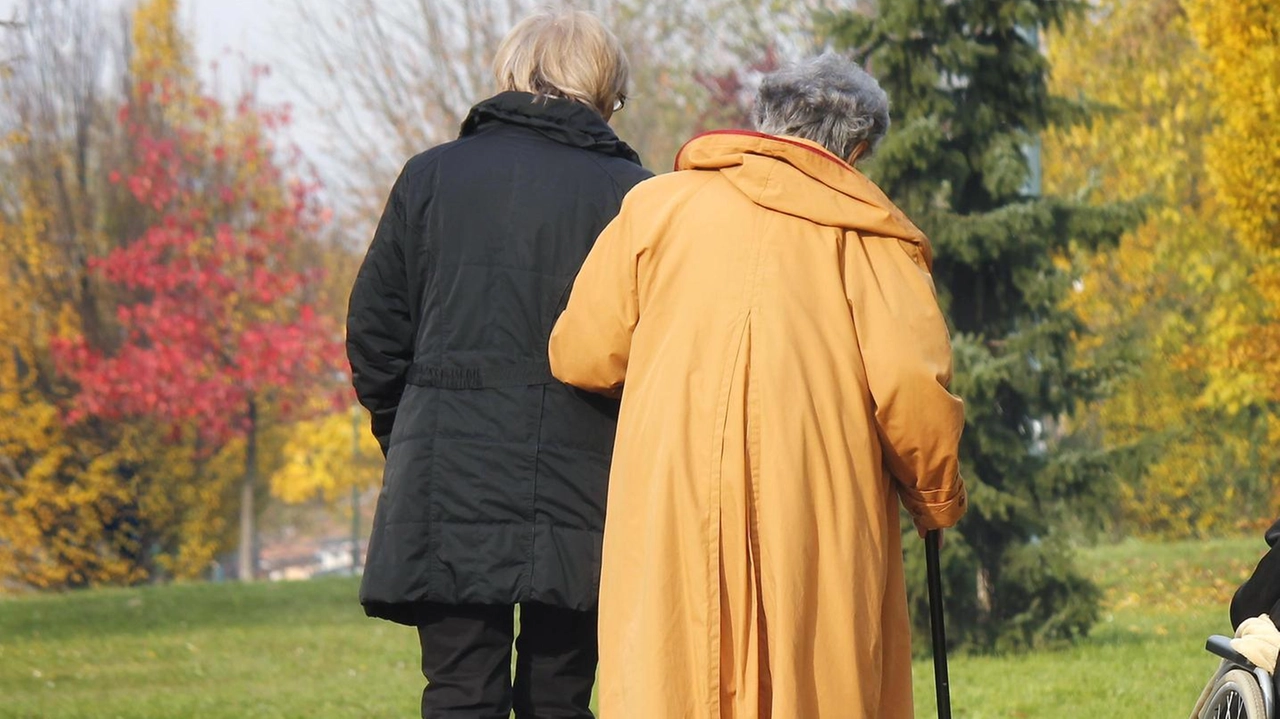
[773, 319]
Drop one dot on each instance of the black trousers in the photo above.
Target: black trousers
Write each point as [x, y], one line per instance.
[466, 658]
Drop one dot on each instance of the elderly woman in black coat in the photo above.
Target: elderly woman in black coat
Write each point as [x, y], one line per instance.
[496, 474]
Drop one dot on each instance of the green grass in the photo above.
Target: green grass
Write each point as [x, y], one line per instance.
[1145, 659]
[220, 650]
[271, 651]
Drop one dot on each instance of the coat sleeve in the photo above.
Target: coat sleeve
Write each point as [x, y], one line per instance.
[906, 350]
[380, 329]
[1260, 594]
[591, 342]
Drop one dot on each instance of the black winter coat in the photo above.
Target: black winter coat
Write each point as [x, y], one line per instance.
[496, 474]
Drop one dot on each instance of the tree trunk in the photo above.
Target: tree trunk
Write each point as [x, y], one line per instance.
[248, 566]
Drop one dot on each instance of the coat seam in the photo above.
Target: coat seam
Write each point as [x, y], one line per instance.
[713, 519]
[716, 485]
[613, 179]
[533, 495]
[433, 530]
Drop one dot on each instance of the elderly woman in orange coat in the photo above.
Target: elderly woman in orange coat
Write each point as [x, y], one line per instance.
[773, 319]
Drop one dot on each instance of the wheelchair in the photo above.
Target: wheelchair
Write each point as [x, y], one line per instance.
[1238, 690]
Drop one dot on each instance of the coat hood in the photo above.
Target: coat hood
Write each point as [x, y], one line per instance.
[565, 121]
[800, 178]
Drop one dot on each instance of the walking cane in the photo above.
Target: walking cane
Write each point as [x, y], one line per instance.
[932, 543]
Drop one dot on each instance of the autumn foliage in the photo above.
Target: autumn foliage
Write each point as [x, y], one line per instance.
[171, 283]
[1186, 304]
[219, 332]
[169, 317]
[217, 311]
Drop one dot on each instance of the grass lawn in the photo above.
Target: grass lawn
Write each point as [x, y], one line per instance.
[1144, 660]
[267, 651]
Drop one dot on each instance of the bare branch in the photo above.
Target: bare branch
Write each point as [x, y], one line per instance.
[399, 75]
[10, 468]
[13, 24]
[55, 98]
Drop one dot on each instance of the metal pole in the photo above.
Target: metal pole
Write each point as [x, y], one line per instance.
[355, 491]
[932, 544]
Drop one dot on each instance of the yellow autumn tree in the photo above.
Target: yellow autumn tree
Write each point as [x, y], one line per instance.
[87, 504]
[1151, 302]
[326, 458]
[48, 525]
[1240, 60]
[1240, 42]
[161, 51]
[63, 502]
[94, 502]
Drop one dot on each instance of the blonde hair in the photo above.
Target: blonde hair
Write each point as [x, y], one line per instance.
[568, 54]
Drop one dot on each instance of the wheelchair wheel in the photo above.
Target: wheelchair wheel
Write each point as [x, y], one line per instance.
[1236, 695]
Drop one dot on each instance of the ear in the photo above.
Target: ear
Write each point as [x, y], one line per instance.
[857, 152]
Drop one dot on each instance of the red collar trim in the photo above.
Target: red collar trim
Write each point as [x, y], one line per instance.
[761, 135]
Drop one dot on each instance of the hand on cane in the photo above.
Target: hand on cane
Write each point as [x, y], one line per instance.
[942, 538]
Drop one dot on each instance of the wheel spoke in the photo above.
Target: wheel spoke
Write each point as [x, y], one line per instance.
[1235, 695]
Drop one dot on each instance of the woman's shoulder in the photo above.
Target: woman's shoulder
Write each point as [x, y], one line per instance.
[427, 160]
[679, 185]
[624, 173]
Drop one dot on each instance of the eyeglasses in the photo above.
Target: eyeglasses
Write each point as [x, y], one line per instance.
[620, 103]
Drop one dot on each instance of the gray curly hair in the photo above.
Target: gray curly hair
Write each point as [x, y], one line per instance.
[827, 99]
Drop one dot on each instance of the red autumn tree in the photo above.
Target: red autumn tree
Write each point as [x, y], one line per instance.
[219, 332]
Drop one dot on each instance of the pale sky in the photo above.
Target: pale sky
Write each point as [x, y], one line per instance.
[257, 28]
[234, 31]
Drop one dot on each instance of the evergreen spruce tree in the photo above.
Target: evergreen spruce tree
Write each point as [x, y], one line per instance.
[967, 84]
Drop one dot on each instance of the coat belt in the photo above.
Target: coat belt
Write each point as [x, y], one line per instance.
[513, 375]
